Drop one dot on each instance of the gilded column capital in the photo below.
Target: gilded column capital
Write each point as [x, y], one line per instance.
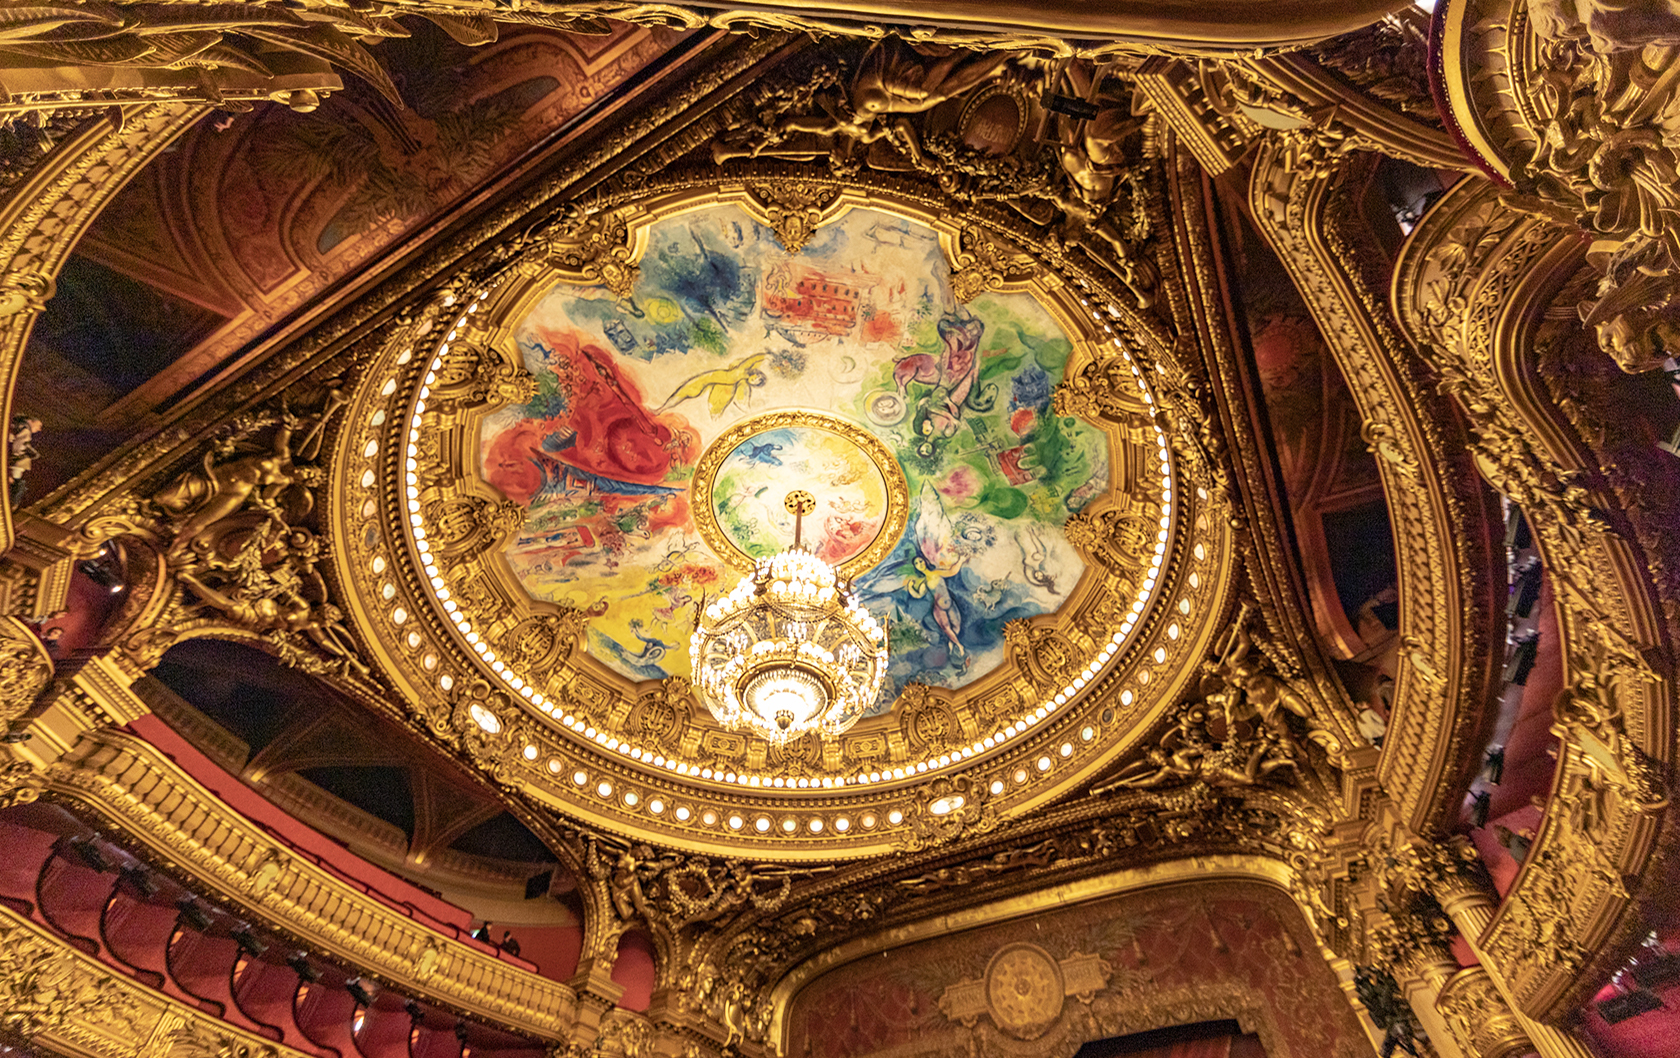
[1480, 1019]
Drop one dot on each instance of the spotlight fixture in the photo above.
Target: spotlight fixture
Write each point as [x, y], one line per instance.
[140, 880]
[299, 962]
[1480, 802]
[192, 914]
[90, 854]
[1521, 660]
[1628, 1005]
[359, 991]
[790, 650]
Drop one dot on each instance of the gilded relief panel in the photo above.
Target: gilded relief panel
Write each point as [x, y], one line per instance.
[1048, 983]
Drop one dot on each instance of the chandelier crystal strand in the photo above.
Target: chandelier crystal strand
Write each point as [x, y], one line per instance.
[790, 649]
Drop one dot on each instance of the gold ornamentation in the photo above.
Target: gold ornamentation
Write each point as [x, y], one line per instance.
[592, 245]
[245, 52]
[1188, 752]
[47, 212]
[1043, 653]
[1479, 1017]
[45, 989]
[795, 209]
[985, 263]
[948, 809]
[1025, 990]
[25, 669]
[465, 527]
[474, 375]
[232, 533]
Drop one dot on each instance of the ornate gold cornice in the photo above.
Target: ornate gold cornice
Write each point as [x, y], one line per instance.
[43, 214]
[1442, 521]
[1472, 285]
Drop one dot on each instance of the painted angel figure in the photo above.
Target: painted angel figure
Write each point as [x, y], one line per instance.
[937, 561]
[723, 386]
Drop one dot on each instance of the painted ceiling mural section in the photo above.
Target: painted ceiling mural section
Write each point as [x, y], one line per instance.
[725, 336]
[251, 215]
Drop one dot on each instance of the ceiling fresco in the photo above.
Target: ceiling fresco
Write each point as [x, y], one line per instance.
[599, 433]
[667, 427]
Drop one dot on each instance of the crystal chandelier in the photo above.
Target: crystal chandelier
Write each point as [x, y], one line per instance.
[789, 650]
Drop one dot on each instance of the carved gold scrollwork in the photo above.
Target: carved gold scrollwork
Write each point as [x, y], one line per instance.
[926, 718]
[25, 669]
[794, 208]
[1480, 1019]
[468, 526]
[587, 243]
[663, 714]
[985, 263]
[473, 375]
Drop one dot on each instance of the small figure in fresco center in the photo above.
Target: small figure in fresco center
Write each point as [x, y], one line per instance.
[652, 649]
[952, 374]
[764, 454]
[722, 387]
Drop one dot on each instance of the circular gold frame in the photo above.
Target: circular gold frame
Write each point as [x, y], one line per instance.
[705, 471]
[644, 759]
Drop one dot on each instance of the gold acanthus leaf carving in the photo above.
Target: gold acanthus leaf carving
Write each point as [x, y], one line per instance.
[464, 527]
[473, 375]
[1607, 160]
[794, 208]
[25, 669]
[41, 988]
[1479, 1017]
[589, 242]
[984, 264]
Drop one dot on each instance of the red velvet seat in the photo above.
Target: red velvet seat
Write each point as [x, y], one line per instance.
[136, 932]
[71, 897]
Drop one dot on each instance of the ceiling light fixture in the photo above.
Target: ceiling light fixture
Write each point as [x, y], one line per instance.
[790, 650]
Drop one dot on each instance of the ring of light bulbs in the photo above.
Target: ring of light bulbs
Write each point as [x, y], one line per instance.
[698, 775]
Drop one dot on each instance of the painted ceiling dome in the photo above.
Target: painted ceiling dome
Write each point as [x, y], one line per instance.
[590, 452]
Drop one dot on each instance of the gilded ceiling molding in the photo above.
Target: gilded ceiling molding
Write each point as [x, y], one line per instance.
[1367, 90]
[1472, 286]
[1063, 28]
[1443, 528]
[1324, 97]
[59, 999]
[1271, 569]
[44, 213]
[231, 55]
